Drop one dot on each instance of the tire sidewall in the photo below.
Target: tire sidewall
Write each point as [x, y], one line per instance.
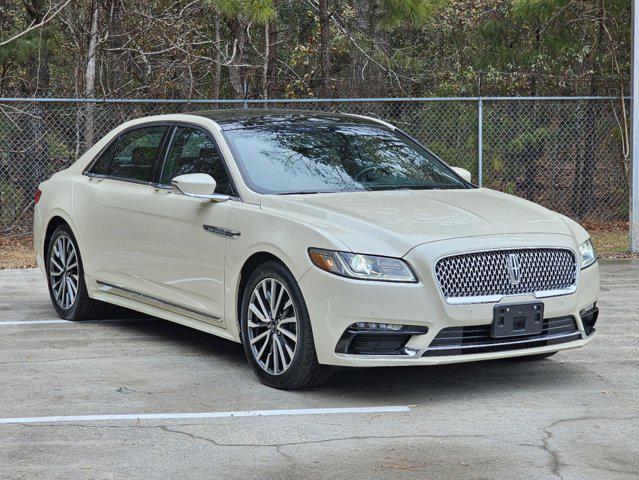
[283, 275]
[66, 313]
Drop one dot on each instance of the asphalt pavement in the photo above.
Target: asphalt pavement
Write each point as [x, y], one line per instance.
[137, 397]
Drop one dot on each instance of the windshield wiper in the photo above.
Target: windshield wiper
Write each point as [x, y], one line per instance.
[302, 192]
[402, 187]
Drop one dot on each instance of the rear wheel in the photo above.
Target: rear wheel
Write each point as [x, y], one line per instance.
[65, 277]
[276, 331]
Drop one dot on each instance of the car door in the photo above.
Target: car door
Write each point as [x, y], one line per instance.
[183, 238]
[106, 202]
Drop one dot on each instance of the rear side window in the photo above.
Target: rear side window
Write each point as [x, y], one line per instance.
[194, 151]
[103, 164]
[135, 153]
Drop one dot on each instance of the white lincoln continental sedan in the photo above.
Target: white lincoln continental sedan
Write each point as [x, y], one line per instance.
[315, 240]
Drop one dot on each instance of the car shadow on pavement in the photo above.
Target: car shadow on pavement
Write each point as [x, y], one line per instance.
[443, 382]
[382, 384]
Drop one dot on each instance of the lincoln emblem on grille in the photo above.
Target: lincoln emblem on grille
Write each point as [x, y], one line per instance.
[514, 269]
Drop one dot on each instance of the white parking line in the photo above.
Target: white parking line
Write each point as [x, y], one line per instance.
[32, 322]
[181, 416]
[59, 320]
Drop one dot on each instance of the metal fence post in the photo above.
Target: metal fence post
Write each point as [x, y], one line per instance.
[480, 141]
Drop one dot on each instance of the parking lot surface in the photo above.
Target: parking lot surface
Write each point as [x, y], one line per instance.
[573, 416]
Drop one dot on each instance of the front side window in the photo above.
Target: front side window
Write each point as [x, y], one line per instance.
[194, 151]
[135, 153]
[329, 156]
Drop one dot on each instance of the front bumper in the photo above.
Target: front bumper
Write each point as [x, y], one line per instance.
[334, 303]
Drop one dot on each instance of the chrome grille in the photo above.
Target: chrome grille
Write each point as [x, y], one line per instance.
[488, 276]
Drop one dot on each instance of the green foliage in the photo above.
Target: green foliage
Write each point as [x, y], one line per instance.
[257, 11]
[416, 12]
[167, 48]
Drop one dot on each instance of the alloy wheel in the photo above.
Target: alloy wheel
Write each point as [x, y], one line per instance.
[272, 326]
[64, 271]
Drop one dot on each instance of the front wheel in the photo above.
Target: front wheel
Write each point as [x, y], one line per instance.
[276, 331]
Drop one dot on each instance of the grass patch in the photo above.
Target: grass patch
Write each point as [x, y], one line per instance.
[611, 239]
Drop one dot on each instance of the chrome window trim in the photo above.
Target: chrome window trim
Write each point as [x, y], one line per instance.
[499, 297]
[119, 179]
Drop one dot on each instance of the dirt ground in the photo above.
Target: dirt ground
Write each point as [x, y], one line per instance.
[611, 241]
[16, 252]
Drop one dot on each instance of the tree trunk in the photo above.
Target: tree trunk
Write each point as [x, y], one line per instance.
[325, 58]
[272, 54]
[217, 67]
[379, 38]
[237, 69]
[89, 74]
[267, 58]
[116, 76]
[358, 60]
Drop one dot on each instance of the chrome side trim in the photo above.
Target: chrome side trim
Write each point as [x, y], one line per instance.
[223, 232]
[576, 334]
[156, 302]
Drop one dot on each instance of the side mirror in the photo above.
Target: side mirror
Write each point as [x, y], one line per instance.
[462, 172]
[197, 185]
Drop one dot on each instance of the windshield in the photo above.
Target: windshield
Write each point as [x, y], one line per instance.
[327, 156]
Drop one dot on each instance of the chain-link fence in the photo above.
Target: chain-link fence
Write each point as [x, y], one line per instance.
[565, 153]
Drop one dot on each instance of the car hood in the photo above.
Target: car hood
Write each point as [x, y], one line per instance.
[394, 222]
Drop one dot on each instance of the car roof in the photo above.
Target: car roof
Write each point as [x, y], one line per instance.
[232, 119]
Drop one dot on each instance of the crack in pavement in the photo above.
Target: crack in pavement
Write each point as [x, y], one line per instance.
[556, 463]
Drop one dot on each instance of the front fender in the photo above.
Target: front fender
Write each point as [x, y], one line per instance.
[266, 232]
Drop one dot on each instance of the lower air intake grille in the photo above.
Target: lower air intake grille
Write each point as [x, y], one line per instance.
[371, 344]
[477, 338]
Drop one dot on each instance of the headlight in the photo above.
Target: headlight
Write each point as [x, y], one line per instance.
[363, 267]
[587, 250]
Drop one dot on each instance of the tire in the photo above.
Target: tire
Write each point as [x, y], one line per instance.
[533, 358]
[81, 307]
[268, 344]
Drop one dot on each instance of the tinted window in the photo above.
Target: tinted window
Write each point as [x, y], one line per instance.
[327, 156]
[194, 151]
[102, 164]
[136, 152]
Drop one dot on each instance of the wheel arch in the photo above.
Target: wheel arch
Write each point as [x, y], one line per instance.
[249, 265]
[54, 222]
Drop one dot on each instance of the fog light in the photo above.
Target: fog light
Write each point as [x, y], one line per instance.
[376, 326]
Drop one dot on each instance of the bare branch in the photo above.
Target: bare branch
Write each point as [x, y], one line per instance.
[50, 15]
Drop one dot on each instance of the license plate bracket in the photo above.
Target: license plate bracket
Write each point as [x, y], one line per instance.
[517, 319]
